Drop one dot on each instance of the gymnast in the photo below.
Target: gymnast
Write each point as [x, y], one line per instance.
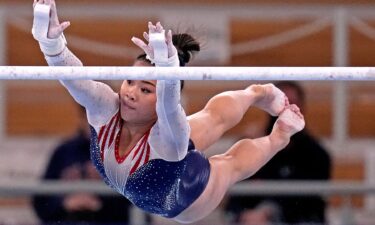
[144, 145]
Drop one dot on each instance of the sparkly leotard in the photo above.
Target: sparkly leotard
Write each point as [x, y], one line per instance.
[155, 185]
[162, 173]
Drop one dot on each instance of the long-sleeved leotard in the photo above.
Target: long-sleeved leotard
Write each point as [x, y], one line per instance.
[161, 174]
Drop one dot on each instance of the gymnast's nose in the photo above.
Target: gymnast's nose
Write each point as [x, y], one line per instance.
[131, 93]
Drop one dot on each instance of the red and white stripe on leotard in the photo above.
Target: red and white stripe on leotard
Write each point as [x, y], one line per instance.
[110, 133]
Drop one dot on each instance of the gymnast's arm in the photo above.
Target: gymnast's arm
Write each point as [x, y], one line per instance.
[100, 101]
[169, 137]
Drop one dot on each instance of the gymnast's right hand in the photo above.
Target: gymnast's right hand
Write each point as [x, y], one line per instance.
[160, 49]
[47, 29]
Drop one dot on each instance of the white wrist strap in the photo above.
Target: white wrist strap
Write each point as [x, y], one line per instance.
[40, 31]
[157, 41]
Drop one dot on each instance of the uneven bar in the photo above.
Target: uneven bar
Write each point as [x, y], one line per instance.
[186, 73]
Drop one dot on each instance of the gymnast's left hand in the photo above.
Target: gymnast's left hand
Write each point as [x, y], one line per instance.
[55, 28]
[147, 48]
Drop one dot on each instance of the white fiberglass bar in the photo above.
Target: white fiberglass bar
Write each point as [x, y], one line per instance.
[186, 73]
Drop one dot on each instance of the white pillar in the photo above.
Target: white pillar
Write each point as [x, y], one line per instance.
[340, 115]
[3, 49]
[370, 177]
[340, 49]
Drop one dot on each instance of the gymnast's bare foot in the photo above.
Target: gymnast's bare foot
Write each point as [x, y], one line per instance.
[271, 99]
[289, 122]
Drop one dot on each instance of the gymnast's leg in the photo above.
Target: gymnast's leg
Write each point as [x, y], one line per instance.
[242, 160]
[226, 109]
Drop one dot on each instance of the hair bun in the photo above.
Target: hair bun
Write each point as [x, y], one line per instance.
[186, 47]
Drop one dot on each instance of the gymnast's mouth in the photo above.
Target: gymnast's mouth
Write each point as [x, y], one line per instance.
[126, 105]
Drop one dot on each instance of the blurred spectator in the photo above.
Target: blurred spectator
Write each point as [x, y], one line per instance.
[71, 161]
[303, 159]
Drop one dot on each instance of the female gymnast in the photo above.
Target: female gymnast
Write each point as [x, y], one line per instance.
[145, 146]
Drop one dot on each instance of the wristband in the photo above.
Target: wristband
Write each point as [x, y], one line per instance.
[40, 31]
[157, 41]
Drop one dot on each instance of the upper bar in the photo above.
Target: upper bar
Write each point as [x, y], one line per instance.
[186, 73]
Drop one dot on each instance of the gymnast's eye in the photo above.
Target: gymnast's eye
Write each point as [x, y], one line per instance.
[129, 82]
[146, 90]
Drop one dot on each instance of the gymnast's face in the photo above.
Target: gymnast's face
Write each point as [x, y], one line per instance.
[138, 99]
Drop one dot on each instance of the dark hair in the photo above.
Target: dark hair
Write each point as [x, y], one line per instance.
[186, 47]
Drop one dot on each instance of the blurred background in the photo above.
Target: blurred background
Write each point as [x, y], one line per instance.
[35, 116]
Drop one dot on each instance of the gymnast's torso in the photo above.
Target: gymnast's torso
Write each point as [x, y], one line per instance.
[153, 184]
